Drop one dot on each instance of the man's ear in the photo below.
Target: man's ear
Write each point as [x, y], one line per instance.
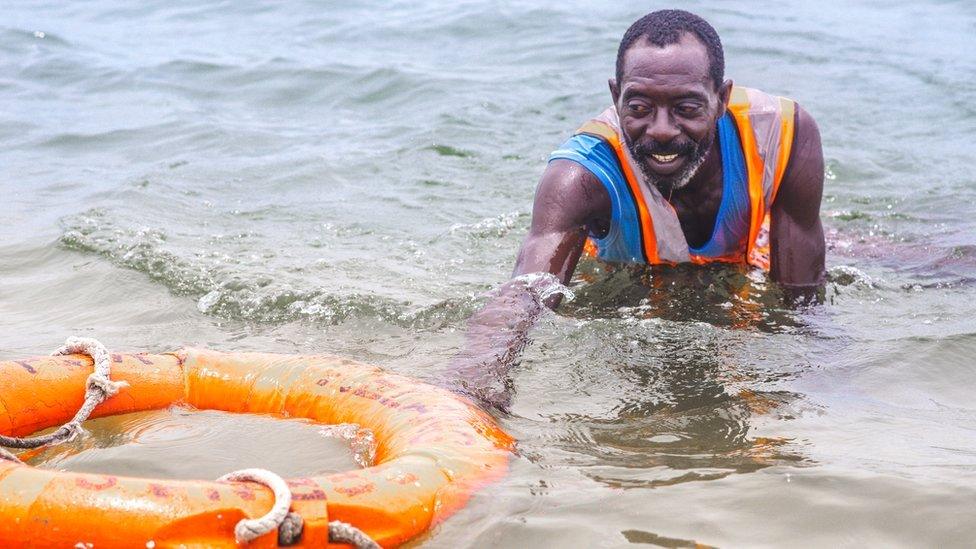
[725, 92]
[614, 90]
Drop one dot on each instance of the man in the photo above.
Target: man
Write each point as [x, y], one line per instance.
[683, 167]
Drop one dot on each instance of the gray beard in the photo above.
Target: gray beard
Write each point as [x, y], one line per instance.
[666, 185]
[669, 184]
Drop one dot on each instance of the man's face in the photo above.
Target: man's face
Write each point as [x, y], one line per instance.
[668, 108]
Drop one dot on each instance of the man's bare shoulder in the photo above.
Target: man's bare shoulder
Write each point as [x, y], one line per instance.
[796, 235]
[570, 195]
[802, 185]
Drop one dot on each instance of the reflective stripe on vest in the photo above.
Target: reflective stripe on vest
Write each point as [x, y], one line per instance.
[766, 126]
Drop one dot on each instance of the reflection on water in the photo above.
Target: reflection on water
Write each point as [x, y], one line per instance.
[670, 447]
[182, 443]
[722, 295]
[681, 392]
[650, 538]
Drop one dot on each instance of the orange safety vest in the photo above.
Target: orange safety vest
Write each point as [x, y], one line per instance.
[765, 126]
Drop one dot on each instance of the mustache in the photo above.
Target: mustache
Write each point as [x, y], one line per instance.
[644, 149]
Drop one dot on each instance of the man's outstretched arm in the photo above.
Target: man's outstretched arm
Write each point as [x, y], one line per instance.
[569, 199]
[796, 234]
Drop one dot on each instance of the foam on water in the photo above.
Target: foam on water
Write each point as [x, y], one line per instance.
[236, 286]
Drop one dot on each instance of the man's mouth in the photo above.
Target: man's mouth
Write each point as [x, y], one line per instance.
[664, 158]
[669, 165]
[665, 164]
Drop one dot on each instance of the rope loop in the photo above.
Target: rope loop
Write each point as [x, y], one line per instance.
[289, 525]
[98, 388]
[98, 381]
[248, 530]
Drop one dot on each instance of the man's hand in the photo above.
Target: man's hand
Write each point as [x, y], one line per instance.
[569, 198]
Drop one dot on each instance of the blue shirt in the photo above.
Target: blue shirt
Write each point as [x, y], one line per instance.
[622, 242]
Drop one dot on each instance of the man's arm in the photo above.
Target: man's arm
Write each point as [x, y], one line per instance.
[796, 234]
[569, 199]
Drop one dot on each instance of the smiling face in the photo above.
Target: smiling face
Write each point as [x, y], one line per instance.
[668, 108]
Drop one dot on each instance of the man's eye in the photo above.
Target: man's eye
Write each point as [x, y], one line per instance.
[688, 110]
[637, 108]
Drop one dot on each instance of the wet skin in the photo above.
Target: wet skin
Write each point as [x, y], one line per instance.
[665, 96]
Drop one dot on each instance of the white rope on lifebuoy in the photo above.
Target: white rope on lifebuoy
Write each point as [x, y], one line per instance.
[98, 388]
[343, 532]
[289, 525]
[250, 529]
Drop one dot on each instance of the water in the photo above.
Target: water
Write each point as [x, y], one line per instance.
[184, 443]
[354, 178]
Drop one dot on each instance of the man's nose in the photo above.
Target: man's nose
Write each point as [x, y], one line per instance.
[662, 128]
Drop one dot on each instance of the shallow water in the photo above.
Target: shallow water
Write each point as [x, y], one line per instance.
[183, 443]
[354, 178]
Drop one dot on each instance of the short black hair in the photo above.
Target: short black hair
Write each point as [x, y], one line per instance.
[664, 27]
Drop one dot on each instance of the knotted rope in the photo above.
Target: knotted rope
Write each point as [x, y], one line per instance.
[289, 525]
[343, 532]
[98, 388]
[248, 530]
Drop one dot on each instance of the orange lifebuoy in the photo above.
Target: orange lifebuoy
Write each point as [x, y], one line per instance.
[433, 450]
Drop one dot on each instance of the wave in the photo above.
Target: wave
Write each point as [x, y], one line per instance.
[489, 227]
[227, 285]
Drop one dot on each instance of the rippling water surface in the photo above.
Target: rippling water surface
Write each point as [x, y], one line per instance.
[191, 444]
[354, 177]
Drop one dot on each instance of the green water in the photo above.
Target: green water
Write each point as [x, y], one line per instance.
[353, 178]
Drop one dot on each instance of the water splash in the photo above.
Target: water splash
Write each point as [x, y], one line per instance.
[361, 440]
[846, 275]
[237, 283]
[496, 227]
[544, 285]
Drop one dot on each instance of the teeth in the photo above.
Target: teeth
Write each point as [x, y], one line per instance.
[664, 157]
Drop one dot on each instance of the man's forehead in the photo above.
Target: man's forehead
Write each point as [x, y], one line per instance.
[686, 59]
